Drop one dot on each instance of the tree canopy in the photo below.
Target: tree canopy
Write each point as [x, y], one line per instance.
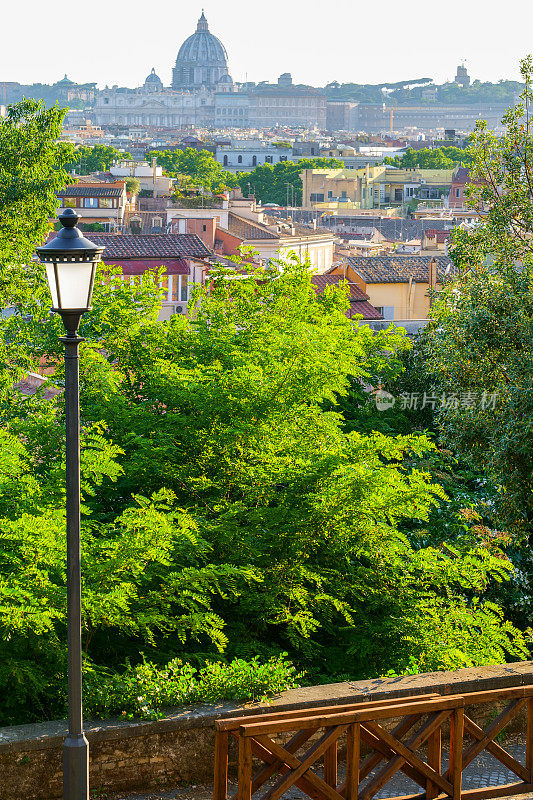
[198, 167]
[242, 501]
[446, 157]
[227, 509]
[269, 182]
[481, 339]
[98, 158]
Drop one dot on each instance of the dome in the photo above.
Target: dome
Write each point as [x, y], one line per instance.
[153, 82]
[202, 60]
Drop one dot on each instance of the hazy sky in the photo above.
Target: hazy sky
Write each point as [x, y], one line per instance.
[344, 40]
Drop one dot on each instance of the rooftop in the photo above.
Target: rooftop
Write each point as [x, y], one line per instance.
[152, 245]
[91, 190]
[359, 303]
[396, 269]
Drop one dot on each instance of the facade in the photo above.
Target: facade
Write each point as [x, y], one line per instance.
[203, 94]
[372, 187]
[182, 255]
[246, 155]
[150, 176]
[397, 286]
[83, 133]
[379, 118]
[278, 239]
[104, 203]
[460, 181]
[285, 105]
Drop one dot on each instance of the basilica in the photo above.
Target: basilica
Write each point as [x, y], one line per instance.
[203, 95]
[202, 91]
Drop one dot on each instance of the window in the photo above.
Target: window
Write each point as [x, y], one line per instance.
[106, 202]
[175, 287]
[90, 202]
[183, 287]
[204, 228]
[330, 194]
[239, 160]
[268, 159]
[254, 161]
[69, 202]
[317, 197]
[106, 101]
[225, 161]
[458, 193]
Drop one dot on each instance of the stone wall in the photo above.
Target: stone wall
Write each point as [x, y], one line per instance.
[128, 756]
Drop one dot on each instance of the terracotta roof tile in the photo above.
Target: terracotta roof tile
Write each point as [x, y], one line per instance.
[151, 245]
[396, 269]
[247, 229]
[91, 191]
[358, 299]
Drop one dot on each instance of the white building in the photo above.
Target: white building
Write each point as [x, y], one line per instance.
[150, 176]
[245, 155]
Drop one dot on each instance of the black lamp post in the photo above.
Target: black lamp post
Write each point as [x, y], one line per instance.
[70, 261]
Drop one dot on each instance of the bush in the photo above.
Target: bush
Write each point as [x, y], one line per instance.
[142, 690]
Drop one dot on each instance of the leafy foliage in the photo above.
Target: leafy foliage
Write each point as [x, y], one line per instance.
[481, 339]
[431, 158]
[269, 182]
[194, 167]
[98, 158]
[32, 170]
[142, 691]
[239, 502]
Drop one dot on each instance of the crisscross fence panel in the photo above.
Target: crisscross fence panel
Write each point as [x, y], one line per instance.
[299, 749]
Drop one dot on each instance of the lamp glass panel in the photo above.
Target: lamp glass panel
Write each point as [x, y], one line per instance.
[74, 284]
[50, 274]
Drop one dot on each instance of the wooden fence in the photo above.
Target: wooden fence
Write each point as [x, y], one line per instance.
[414, 746]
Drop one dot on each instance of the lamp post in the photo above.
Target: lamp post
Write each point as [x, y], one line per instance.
[70, 261]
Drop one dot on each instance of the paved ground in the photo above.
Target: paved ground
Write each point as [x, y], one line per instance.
[484, 771]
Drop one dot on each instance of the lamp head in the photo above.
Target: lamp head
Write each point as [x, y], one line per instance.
[70, 260]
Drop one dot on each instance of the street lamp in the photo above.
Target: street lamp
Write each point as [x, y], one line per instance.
[70, 260]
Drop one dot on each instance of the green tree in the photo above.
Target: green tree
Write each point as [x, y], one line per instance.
[199, 166]
[133, 185]
[32, 170]
[226, 509]
[279, 182]
[98, 158]
[480, 342]
[446, 157]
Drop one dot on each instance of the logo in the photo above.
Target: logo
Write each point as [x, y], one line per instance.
[384, 400]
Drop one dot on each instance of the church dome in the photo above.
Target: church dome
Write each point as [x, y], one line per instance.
[202, 60]
[153, 82]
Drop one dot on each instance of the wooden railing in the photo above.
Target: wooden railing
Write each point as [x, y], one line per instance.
[289, 746]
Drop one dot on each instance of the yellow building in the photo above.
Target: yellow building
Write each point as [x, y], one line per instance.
[397, 286]
[372, 187]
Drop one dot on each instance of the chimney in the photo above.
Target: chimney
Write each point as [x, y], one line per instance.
[432, 278]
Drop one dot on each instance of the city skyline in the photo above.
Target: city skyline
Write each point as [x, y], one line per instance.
[400, 46]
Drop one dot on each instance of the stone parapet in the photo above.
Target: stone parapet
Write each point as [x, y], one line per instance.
[129, 756]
